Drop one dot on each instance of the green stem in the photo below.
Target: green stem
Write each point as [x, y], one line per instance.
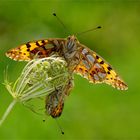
[8, 110]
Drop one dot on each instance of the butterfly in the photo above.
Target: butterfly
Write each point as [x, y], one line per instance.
[54, 103]
[80, 59]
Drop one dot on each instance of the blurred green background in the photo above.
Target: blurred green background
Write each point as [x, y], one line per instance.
[91, 111]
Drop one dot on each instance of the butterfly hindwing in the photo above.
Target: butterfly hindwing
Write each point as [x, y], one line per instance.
[97, 70]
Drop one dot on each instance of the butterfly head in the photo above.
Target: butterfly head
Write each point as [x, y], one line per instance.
[71, 42]
[70, 47]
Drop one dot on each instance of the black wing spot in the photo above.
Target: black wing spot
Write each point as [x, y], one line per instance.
[108, 72]
[44, 47]
[28, 49]
[28, 45]
[97, 57]
[102, 62]
[109, 68]
[86, 71]
[37, 44]
[43, 41]
[80, 69]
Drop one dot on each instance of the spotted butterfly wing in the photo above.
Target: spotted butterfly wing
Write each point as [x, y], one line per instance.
[97, 70]
[55, 101]
[31, 50]
[54, 104]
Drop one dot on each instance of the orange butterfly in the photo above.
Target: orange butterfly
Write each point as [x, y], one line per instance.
[80, 59]
[55, 101]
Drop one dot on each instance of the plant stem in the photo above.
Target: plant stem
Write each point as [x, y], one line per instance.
[8, 110]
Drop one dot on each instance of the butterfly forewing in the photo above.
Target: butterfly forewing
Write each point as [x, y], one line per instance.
[97, 70]
[34, 49]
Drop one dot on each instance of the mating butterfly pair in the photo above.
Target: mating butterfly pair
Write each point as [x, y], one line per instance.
[80, 60]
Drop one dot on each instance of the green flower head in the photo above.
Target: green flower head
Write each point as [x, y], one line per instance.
[39, 78]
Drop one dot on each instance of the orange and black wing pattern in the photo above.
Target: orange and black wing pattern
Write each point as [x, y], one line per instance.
[31, 50]
[54, 104]
[55, 100]
[97, 70]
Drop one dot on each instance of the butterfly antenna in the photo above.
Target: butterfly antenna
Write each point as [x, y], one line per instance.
[98, 27]
[62, 132]
[60, 21]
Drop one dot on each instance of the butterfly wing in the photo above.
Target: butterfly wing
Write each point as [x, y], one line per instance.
[54, 103]
[94, 68]
[31, 50]
[55, 100]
